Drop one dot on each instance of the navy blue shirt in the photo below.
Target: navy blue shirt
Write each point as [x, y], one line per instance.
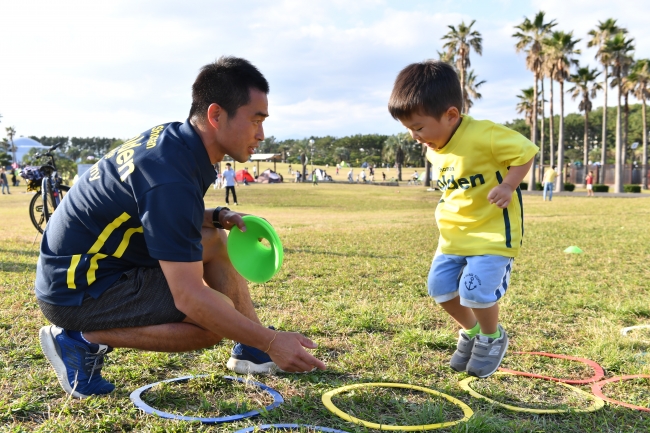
[141, 203]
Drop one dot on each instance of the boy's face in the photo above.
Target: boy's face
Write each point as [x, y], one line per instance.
[430, 131]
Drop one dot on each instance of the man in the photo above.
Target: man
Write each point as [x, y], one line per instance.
[4, 181]
[131, 258]
[229, 181]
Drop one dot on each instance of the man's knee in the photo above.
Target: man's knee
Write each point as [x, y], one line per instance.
[214, 243]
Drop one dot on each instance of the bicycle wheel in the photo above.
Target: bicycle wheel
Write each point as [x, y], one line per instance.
[49, 204]
[36, 212]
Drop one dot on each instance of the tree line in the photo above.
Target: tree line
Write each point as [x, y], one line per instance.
[552, 55]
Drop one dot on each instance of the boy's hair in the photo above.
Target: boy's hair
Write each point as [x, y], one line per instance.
[227, 164]
[427, 88]
[226, 82]
[553, 167]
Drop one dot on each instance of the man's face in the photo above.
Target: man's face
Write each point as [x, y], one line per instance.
[241, 134]
[430, 131]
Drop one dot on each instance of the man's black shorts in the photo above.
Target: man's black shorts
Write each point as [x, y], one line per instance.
[141, 297]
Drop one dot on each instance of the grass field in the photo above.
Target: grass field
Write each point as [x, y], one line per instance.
[354, 280]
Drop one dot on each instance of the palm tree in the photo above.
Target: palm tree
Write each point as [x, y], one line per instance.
[530, 37]
[395, 148]
[618, 48]
[637, 82]
[472, 90]
[525, 105]
[459, 43]
[560, 50]
[11, 132]
[448, 57]
[549, 70]
[585, 87]
[599, 36]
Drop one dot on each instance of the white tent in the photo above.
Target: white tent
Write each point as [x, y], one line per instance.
[24, 144]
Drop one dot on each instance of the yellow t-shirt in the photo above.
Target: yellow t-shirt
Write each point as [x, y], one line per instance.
[550, 175]
[475, 160]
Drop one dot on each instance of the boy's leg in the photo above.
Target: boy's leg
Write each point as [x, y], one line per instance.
[234, 195]
[443, 288]
[483, 282]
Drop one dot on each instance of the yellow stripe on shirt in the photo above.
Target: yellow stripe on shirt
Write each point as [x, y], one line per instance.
[99, 243]
[107, 232]
[125, 241]
[93, 267]
[73, 267]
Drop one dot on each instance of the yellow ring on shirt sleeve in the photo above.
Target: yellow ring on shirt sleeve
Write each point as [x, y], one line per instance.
[327, 401]
[598, 402]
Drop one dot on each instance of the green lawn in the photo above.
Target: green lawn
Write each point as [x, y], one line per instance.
[354, 280]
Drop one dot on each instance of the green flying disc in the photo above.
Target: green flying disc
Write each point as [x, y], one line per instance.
[573, 250]
[254, 260]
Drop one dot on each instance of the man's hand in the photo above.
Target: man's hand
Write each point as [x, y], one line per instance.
[230, 219]
[287, 351]
[501, 195]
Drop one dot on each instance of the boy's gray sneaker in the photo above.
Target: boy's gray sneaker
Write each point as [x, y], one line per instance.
[463, 352]
[487, 354]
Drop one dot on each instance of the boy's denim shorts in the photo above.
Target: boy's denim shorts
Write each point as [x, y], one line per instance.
[480, 281]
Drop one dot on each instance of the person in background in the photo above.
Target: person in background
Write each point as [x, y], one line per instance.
[4, 181]
[549, 183]
[589, 180]
[229, 181]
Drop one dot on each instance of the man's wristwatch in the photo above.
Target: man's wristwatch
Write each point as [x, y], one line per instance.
[215, 216]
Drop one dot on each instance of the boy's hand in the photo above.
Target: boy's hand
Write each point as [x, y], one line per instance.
[501, 195]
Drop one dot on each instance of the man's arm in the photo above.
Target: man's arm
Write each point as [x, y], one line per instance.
[206, 308]
[501, 194]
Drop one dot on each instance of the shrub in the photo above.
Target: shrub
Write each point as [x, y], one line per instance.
[632, 188]
[569, 187]
[601, 188]
[523, 186]
[539, 186]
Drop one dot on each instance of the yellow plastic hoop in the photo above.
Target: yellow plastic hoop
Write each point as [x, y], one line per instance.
[598, 402]
[327, 401]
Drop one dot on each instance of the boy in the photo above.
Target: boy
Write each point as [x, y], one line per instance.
[480, 216]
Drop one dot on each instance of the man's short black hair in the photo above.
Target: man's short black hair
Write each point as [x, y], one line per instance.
[226, 82]
[427, 88]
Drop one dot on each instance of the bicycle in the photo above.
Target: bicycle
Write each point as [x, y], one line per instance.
[49, 187]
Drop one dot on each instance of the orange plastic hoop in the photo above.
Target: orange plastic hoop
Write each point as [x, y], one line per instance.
[597, 390]
[599, 373]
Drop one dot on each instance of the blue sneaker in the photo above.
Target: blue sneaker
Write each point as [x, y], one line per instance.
[249, 360]
[76, 367]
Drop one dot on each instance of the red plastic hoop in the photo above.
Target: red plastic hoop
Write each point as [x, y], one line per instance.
[599, 373]
[597, 390]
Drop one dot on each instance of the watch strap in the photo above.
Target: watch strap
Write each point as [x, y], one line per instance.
[215, 216]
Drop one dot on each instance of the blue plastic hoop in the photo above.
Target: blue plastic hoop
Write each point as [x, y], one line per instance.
[288, 427]
[140, 404]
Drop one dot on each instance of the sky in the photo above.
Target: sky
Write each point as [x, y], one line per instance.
[116, 68]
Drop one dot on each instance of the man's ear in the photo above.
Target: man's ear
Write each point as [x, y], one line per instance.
[216, 115]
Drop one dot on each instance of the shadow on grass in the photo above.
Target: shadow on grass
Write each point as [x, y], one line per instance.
[17, 267]
[330, 253]
[31, 252]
